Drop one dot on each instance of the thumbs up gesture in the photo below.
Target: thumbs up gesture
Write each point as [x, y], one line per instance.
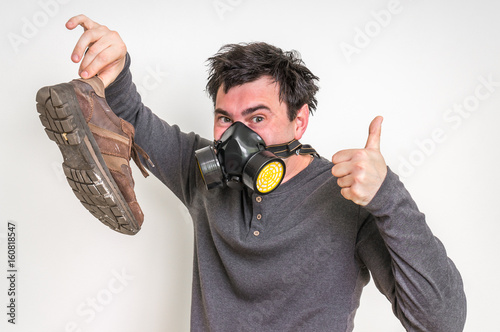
[360, 172]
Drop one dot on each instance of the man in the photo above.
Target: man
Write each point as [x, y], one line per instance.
[297, 258]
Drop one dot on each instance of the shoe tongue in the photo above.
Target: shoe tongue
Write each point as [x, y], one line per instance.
[96, 83]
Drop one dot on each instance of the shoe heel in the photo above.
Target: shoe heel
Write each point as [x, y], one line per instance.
[56, 116]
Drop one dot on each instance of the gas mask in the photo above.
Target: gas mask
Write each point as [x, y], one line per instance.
[241, 158]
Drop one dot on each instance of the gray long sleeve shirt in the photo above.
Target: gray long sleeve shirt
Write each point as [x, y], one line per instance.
[298, 258]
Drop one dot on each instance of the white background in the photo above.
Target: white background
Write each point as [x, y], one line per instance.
[411, 67]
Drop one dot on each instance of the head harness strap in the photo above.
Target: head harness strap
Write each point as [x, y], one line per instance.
[293, 147]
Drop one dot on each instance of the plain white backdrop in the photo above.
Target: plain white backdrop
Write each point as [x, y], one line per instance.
[431, 68]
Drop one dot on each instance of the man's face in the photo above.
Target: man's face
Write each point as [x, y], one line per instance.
[257, 105]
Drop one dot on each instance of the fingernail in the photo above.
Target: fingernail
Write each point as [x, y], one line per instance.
[74, 57]
[84, 74]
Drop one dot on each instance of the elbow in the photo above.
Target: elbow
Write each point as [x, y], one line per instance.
[446, 312]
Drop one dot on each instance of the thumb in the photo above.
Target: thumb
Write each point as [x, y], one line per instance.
[109, 74]
[373, 141]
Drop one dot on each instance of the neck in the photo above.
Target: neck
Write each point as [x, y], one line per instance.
[296, 164]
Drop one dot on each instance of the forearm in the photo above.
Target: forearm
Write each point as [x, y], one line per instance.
[122, 95]
[170, 149]
[412, 269]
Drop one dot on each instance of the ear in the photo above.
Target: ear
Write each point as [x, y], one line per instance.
[301, 121]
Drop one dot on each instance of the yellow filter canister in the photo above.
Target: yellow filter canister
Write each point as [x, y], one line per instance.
[269, 177]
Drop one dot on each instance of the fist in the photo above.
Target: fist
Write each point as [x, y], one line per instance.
[360, 172]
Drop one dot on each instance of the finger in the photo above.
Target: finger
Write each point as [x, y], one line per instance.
[345, 181]
[95, 47]
[343, 156]
[103, 53]
[105, 59]
[92, 42]
[341, 169]
[91, 34]
[347, 193]
[373, 141]
[86, 40]
[109, 74]
[81, 20]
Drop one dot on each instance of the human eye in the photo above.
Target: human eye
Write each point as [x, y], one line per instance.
[257, 119]
[224, 119]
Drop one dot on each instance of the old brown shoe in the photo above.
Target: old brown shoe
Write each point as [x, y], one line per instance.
[96, 146]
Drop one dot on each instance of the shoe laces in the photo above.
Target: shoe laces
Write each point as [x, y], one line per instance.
[136, 151]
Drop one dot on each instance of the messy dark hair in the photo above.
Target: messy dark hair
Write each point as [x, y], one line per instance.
[237, 64]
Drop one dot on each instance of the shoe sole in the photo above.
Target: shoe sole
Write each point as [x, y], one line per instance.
[83, 164]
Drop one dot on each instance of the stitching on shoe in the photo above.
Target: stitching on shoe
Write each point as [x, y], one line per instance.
[113, 154]
[93, 94]
[113, 139]
[117, 170]
[106, 113]
[127, 127]
[91, 108]
[134, 197]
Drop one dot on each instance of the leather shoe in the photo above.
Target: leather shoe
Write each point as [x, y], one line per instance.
[96, 146]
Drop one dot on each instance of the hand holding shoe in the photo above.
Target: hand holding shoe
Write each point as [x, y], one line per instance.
[101, 51]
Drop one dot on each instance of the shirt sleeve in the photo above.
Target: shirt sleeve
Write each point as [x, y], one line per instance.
[170, 150]
[409, 264]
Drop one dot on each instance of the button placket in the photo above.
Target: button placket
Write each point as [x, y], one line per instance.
[257, 226]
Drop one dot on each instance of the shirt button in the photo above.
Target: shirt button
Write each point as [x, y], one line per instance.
[259, 216]
[258, 199]
[256, 233]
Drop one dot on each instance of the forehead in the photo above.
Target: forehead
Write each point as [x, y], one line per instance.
[263, 88]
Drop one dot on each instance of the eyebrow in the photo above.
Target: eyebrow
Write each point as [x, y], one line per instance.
[245, 112]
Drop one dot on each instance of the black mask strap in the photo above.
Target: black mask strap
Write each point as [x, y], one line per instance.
[293, 147]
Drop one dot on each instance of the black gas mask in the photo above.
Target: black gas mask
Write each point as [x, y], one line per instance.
[241, 158]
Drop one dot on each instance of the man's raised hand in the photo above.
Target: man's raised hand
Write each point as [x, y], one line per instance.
[360, 172]
[100, 50]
